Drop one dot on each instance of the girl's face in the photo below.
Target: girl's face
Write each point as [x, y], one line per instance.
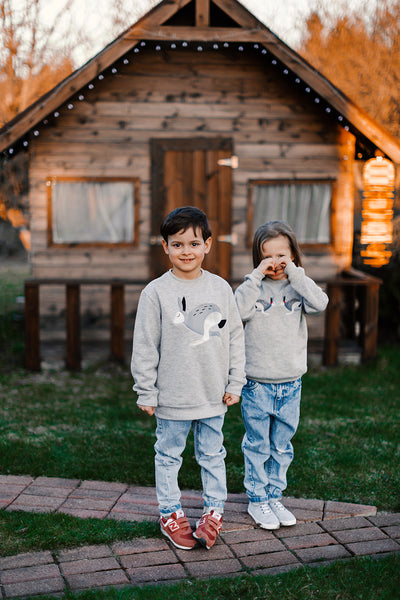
[276, 253]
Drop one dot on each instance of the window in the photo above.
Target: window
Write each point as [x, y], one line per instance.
[92, 211]
[305, 205]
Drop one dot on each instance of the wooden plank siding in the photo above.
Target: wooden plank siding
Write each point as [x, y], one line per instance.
[277, 133]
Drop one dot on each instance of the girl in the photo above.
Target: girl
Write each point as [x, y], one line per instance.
[273, 301]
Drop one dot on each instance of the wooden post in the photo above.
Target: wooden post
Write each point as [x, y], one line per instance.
[332, 323]
[73, 356]
[369, 321]
[32, 326]
[117, 322]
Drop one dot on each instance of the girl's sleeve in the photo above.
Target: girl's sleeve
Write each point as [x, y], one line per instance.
[248, 293]
[146, 350]
[314, 298]
[236, 377]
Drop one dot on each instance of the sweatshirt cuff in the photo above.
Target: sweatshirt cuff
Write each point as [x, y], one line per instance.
[294, 272]
[257, 275]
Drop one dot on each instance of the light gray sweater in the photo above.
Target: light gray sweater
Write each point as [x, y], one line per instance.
[188, 346]
[275, 323]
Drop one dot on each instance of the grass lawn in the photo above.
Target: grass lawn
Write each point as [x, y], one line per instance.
[86, 426]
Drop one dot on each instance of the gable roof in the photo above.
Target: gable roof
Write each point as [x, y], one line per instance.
[203, 21]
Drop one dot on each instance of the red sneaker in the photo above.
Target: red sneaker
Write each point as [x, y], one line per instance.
[177, 529]
[208, 528]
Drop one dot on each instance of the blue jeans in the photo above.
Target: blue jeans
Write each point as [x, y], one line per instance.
[271, 414]
[210, 455]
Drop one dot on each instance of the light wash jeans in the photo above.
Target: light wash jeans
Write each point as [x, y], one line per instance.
[271, 414]
[210, 455]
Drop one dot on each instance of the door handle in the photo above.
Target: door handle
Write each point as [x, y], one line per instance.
[232, 162]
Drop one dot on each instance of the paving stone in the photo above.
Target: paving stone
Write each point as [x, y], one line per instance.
[11, 489]
[349, 509]
[32, 573]
[304, 503]
[47, 491]
[139, 545]
[213, 567]
[104, 485]
[25, 499]
[27, 559]
[359, 535]
[109, 495]
[161, 557]
[393, 531]
[246, 535]
[273, 559]
[27, 508]
[28, 588]
[122, 506]
[83, 513]
[374, 547]
[198, 553]
[97, 580]
[310, 541]
[159, 573]
[258, 547]
[84, 552]
[88, 504]
[131, 516]
[297, 530]
[383, 520]
[321, 553]
[276, 570]
[22, 480]
[307, 516]
[56, 482]
[89, 565]
[346, 523]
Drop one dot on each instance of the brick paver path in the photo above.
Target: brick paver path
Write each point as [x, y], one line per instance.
[326, 531]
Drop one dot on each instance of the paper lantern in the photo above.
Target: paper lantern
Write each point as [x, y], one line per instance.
[377, 211]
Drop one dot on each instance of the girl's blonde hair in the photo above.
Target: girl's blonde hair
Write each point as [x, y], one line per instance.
[273, 229]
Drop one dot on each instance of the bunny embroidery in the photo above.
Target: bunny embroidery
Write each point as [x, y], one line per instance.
[204, 319]
[293, 305]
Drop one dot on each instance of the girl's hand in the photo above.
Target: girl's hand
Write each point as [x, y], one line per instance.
[266, 266]
[230, 399]
[149, 410]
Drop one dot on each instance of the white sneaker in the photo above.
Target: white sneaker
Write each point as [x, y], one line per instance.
[284, 516]
[263, 515]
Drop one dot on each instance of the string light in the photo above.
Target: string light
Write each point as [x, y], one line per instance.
[200, 48]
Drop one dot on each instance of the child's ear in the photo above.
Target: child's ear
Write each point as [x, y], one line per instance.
[208, 244]
[165, 246]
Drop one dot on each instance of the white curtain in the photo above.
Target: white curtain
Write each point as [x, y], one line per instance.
[93, 211]
[306, 207]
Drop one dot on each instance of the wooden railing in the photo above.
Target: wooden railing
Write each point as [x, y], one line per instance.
[73, 321]
[352, 313]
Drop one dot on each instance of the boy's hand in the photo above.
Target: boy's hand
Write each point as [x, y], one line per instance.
[230, 399]
[149, 410]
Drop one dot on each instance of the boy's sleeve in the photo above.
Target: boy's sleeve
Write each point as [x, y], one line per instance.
[237, 377]
[248, 293]
[146, 350]
[314, 298]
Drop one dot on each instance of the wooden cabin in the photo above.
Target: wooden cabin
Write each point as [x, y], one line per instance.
[196, 103]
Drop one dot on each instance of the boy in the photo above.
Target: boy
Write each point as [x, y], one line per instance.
[188, 366]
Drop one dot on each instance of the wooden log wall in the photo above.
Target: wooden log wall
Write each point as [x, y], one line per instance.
[277, 132]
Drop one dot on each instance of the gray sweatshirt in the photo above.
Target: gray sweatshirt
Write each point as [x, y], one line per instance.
[275, 323]
[188, 346]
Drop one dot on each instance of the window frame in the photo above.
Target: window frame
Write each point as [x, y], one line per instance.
[100, 244]
[313, 246]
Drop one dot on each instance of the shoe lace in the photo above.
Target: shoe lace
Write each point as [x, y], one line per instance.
[277, 505]
[265, 508]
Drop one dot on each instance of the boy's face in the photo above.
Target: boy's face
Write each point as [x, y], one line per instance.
[186, 251]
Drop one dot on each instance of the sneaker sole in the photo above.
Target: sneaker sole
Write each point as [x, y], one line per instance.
[288, 523]
[174, 543]
[203, 542]
[264, 525]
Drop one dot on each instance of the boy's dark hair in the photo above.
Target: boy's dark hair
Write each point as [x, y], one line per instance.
[183, 218]
[273, 229]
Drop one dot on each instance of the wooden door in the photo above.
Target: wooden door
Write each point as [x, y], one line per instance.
[185, 172]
